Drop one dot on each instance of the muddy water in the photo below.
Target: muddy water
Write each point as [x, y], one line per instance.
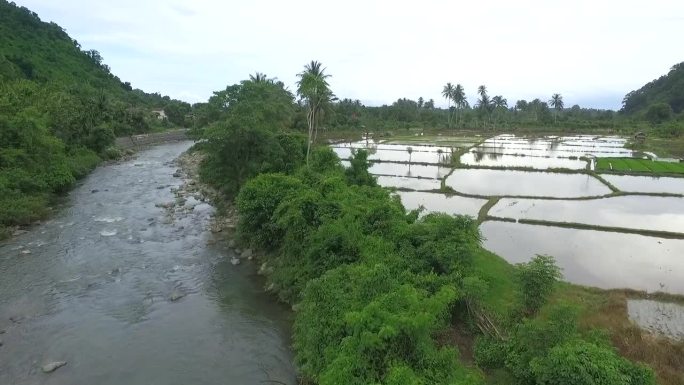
[127, 294]
[634, 211]
[594, 258]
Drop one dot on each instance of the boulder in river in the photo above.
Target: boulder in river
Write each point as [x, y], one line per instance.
[52, 366]
[235, 261]
[26, 251]
[19, 232]
[176, 295]
[247, 254]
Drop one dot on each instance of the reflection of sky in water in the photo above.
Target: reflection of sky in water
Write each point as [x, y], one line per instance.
[500, 160]
[630, 183]
[523, 183]
[635, 212]
[594, 258]
[409, 183]
[434, 202]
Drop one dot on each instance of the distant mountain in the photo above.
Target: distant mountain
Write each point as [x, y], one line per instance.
[668, 89]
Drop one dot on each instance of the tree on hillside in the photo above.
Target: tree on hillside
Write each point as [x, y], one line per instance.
[557, 103]
[314, 89]
[448, 93]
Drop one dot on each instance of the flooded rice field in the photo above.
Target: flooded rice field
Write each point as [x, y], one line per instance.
[435, 202]
[594, 258]
[489, 182]
[646, 184]
[630, 211]
[590, 257]
[495, 159]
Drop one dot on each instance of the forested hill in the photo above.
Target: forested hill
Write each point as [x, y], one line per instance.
[60, 110]
[666, 90]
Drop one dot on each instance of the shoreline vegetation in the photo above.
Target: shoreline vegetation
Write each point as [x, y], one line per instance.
[383, 295]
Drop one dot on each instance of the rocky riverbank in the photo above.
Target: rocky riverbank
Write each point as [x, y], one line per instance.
[223, 223]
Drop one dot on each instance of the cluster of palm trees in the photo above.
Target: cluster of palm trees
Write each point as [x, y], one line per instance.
[457, 96]
[489, 106]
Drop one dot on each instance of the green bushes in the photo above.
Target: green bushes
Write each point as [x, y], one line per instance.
[581, 363]
[536, 279]
[373, 284]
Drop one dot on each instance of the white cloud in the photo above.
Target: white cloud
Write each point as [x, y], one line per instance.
[591, 51]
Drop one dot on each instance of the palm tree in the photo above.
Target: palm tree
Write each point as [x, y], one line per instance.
[459, 100]
[448, 93]
[410, 151]
[483, 103]
[258, 77]
[499, 102]
[313, 88]
[557, 103]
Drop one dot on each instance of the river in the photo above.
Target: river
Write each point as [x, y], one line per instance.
[126, 294]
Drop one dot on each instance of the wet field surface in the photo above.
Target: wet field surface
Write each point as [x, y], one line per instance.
[589, 257]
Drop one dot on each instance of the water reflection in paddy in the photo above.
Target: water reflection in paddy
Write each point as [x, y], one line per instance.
[523, 183]
[409, 183]
[647, 184]
[488, 159]
[434, 202]
[398, 156]
[411, 170]
[635, 211]
[594, 258]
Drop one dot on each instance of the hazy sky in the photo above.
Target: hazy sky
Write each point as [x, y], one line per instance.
[592, 52]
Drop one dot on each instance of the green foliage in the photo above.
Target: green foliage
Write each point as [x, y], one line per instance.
[489, 352]
[537, 279]
[639, 165]
[534, 338]
[60, 107]
[668, 89]
[582, 363]
[658, 113]
[358, 173]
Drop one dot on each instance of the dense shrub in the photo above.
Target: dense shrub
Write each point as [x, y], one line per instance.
[583, 363]
[536, 279]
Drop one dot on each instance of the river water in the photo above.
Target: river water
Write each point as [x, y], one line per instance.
[94, 286]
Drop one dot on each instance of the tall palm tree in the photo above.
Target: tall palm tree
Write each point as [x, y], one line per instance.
[313, 88]
[557, 103]
[448, 93]
[499, 103]
[484, 103]
[459, 100]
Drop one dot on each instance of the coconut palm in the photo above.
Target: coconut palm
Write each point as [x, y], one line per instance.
[484, 104]
[499, 103]
[410, 152]
[557, 103]
[314, 90]
[448, 93]
[258, 77]
[459, 99]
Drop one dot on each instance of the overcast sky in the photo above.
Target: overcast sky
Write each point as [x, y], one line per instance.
[592, 52]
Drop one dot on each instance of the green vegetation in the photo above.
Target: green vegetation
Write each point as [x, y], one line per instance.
[372, 284]
[60, 110]
[634, 165]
